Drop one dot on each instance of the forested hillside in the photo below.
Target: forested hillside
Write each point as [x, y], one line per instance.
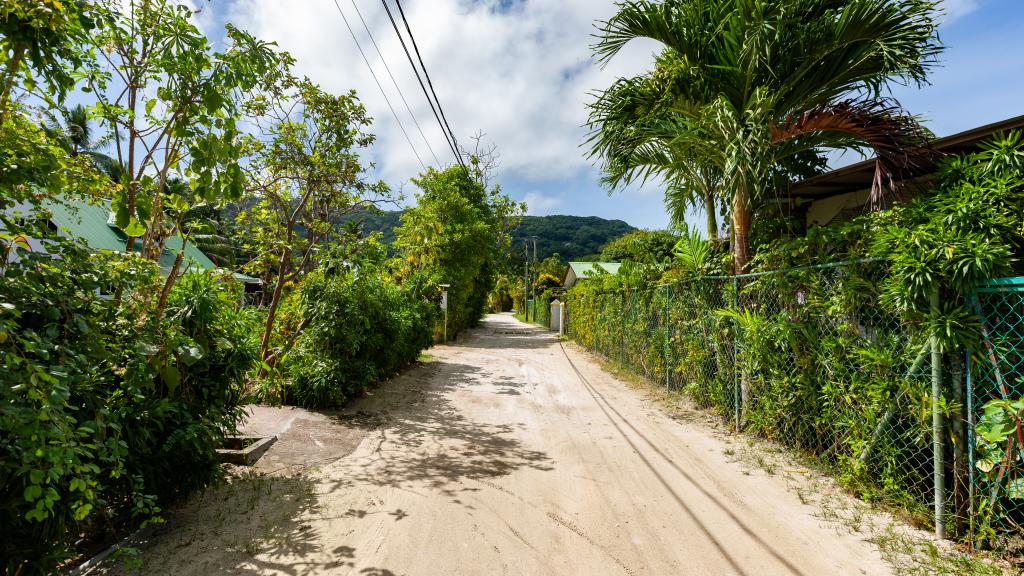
[572, 237]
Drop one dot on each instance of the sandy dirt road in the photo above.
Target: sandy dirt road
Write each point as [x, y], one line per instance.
[511, 454]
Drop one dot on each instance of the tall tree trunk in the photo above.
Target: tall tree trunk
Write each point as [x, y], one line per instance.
[275, 300]
[8, 86]
[709, 210]
[741, 216]
[741, 229]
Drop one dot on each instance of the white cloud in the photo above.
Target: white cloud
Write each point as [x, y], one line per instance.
[519, 71]
[957, 8]
[540, 204]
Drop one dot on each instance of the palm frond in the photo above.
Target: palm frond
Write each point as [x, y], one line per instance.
[900, 144]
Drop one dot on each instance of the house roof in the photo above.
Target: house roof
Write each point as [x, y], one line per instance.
[590, 269]
[91, 223]
[859, 176]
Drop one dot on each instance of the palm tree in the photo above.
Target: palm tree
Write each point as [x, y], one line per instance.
[747, 84]
[77, 137]
[634, 143]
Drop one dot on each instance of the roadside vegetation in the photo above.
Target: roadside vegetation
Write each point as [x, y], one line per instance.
[124, 370]
[817, 348]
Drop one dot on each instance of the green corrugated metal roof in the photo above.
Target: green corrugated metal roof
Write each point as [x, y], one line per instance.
[90, 222]
[589, 269]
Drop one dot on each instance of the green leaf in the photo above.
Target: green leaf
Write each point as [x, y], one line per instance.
[33, 492]
[190, 354]
[149, 105]
[82, 511]
[1015, 489]
[146, 348]
[134, 227]
[171, 376]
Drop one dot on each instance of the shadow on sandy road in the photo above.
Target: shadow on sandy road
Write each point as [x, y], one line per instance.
[426, 440]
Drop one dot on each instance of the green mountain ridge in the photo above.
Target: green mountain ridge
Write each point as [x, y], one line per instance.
[571, 237]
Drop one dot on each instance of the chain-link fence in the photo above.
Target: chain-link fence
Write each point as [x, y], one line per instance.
[539, 311]
[996, 372]
[810, 359]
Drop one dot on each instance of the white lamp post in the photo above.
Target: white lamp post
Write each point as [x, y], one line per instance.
[444, 306]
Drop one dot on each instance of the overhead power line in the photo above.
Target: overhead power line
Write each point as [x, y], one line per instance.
[449, 137]
[381, 88]
[395, 82]
[427, 74]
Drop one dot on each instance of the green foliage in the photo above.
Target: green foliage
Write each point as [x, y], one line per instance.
[107, 412]
[161, 87]
[40, 42]
[572, 237]
[967, 230]
[552, 266]
[642, 246]
[362, 329]
[455, 235]
[58, 445]
[745, 86]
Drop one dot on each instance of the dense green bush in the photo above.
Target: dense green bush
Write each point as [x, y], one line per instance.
[362, 328]
[106, 411]
[181, 388]
[832, 361]
[454, 236]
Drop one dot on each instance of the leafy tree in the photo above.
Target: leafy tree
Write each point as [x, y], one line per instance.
[552, 266]
[455, 235]
[642, 246]
[40, 42]
[304, 175]
[171, 105]
[754, 82]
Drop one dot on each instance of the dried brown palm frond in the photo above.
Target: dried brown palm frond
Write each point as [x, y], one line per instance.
[901, 145]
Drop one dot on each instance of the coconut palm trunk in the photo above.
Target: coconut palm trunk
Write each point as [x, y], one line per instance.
[712, 218]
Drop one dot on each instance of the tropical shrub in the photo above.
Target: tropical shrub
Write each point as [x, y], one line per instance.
[362, 328]
[182, 385]
[454, 236]
[833, 360]
[106, 411]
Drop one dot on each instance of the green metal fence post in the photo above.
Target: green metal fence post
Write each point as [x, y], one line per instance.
[736, 351]
[939, 472]
[667, 318]
[969, 391]
[622, 330]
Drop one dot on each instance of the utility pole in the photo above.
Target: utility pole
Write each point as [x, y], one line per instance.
[535, 271]
[526, 279]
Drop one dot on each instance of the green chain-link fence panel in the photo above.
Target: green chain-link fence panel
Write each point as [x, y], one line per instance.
[807, 358]
[539, 311]
[996, 372]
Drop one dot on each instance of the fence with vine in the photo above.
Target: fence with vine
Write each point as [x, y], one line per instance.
[810, 359]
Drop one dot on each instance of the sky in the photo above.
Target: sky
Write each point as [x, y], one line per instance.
[520, 71]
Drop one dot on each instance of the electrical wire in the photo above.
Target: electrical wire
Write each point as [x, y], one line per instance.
[449, 138]
[382, 93]
[395, 82]
[427, 74]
